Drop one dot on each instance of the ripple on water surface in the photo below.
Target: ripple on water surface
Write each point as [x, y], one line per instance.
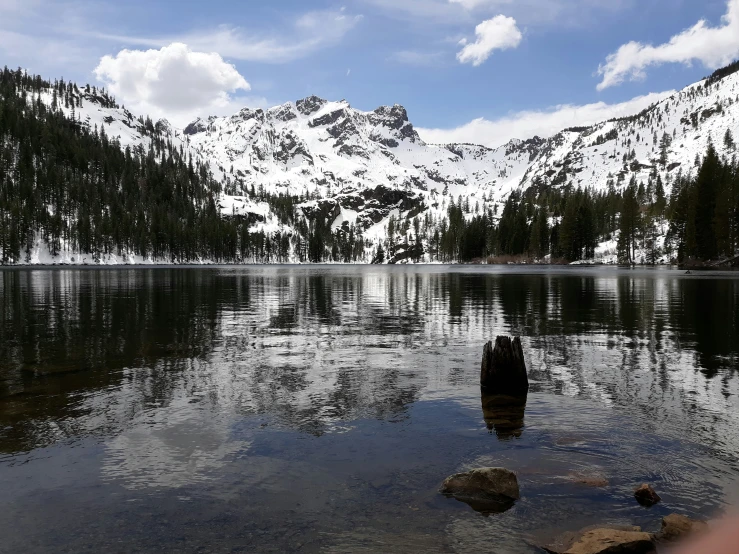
[319, 409]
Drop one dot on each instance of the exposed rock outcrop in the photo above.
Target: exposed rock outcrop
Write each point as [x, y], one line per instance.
[310, 105]
[197, 126]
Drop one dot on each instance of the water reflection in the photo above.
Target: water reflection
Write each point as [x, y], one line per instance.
[340, 398]
[487, 506]
[503, 414]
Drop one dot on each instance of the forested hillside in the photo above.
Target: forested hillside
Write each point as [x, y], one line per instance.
[82, 180]
[698, 222]
[72, 188]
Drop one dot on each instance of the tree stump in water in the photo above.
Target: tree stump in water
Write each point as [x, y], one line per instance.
[503, 369]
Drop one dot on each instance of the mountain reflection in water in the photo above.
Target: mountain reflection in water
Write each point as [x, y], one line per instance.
[319, 409]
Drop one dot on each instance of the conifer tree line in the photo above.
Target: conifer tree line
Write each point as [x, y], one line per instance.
[699, 222]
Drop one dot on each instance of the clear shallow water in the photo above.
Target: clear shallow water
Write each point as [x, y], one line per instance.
[319, 409]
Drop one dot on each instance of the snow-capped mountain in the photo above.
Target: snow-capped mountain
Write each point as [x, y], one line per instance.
[366, 164]
[617, 150]
[358, 168]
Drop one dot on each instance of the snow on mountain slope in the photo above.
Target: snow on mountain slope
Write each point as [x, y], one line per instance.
[358, 168]
[367, 165]
[363, 166]
[617, 150]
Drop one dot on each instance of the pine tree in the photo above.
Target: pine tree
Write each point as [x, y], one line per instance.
[729, 140]
[706, 188]
[664, 146]
[660, 201]
[629, 223]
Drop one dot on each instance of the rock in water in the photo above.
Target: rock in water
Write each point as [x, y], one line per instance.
[604, 541]
[596, 481]
[676, 527]
[486, 490]
[503, 369]
[646, 496]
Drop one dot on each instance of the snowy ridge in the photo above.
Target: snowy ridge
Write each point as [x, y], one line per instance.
[331, 151]
[358, 169]
[691, 118]
[324, 149]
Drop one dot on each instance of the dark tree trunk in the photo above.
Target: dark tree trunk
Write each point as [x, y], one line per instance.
[503, 369]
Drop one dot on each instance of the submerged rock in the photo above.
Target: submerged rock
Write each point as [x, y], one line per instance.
[595, 481]
[603, 540]
[647, 496]
[503, 370]
[486, 490]
[676, 527]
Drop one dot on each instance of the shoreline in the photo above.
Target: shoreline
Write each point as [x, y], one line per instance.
[688, 269]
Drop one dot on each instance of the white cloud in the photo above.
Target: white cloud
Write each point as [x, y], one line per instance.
[498, 33]
[544, 123]
[562, 13]
[417, 11]
[173, 82]
[712, 46]
[311, 32]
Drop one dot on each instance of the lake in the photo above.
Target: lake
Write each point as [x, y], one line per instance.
[318, 409]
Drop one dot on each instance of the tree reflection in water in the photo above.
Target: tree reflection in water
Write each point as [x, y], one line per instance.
[338, 398]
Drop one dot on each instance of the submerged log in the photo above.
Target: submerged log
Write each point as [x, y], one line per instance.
[503, 369]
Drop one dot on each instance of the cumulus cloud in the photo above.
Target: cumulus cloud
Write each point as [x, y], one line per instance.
[712, 46]
[544, 123]
[498, 33]
[173, 82]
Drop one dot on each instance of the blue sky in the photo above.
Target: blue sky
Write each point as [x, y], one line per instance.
[533, 65]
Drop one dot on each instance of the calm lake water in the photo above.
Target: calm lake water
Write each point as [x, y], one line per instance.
[277, 409]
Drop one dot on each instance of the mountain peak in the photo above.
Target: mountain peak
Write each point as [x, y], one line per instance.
[163, 126]
[395, 112]
[395, 118]
[310, 105]
[195, 127]
[199, 125]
